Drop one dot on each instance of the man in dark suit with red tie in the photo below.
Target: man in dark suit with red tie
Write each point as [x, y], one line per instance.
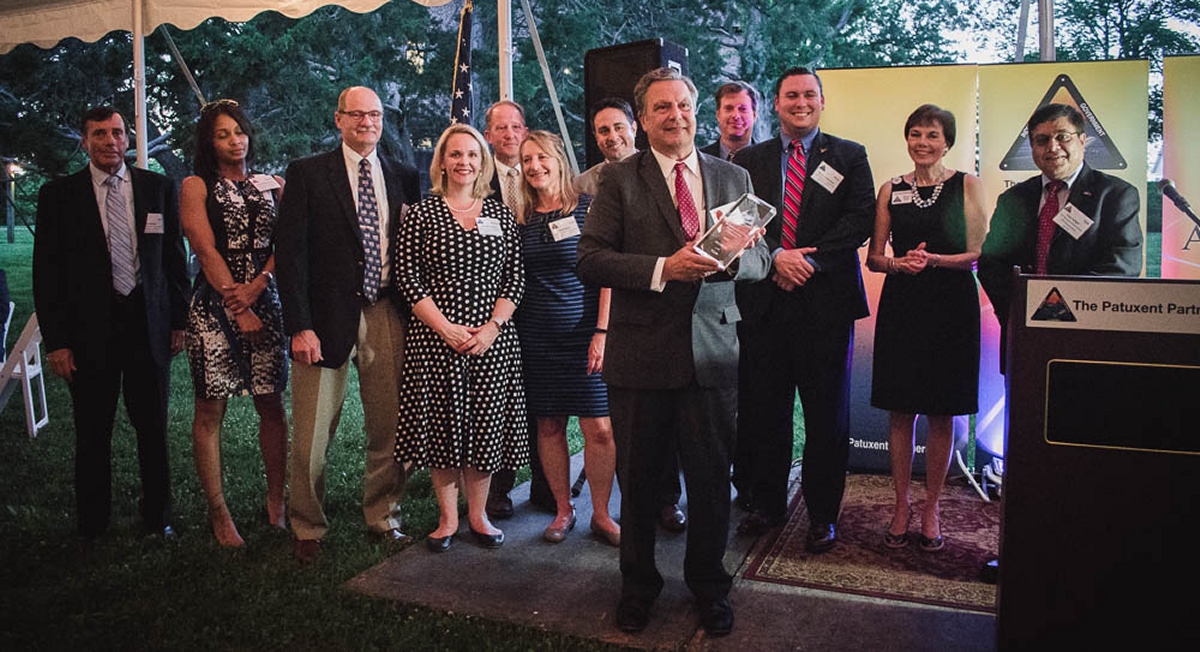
[798, 327]
[671, 361]
[110, 287]
[335, 243]
[1024, 232]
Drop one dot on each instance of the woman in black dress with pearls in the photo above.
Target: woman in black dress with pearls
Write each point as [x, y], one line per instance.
[462, 401]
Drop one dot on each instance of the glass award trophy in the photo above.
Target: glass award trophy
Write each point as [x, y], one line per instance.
[734, 227]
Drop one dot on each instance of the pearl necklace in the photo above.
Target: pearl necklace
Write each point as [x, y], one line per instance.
[937, 191]
[461, 210]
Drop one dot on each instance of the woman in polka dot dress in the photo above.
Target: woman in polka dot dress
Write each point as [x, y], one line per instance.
[462, 400]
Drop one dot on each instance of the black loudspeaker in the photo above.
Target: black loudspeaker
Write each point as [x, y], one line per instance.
[614, 71]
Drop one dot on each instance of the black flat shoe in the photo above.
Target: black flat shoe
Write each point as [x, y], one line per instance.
[717, 617]
[439, 544]
[489, 541]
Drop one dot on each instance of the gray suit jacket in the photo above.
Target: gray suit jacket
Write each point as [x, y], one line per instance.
[662, 340]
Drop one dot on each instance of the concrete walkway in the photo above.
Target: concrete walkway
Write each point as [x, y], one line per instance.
[573, 588]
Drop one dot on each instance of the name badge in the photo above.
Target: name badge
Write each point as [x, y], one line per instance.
[565, 228]
[264, 182]
[1073, 221]
[154, 223]
[827, 177]
[488, 226]
[902, 197]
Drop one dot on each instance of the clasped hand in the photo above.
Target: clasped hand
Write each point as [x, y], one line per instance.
[470, 340]
[913, 261]
[792, 268]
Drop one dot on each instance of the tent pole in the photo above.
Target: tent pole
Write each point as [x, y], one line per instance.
[139, 83]
[504, 25]
[1046, 29]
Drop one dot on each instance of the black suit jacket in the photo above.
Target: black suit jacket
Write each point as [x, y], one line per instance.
[836, 223]
[1112, 246]
[72, 270]
[662, 340]
[712, 149]
[319, 253]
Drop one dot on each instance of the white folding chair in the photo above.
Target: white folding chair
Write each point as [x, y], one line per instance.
[24, 365]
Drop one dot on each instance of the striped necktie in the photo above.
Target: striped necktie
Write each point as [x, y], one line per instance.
[793, 190]
[120, 237]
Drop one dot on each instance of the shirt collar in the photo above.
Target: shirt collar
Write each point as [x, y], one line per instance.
[503, 169]
[353, 157]
[1070, 181]
[807, 141]
[100, 177]
[667, 163]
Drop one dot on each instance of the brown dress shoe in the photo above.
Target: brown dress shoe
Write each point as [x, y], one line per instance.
[673, 519]
[307, 551]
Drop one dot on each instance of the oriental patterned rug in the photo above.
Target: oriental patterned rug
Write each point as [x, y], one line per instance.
[861, 564]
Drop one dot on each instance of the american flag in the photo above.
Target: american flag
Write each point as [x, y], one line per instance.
[460, 99]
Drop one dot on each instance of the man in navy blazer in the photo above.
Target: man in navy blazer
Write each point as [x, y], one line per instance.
[671, 360]
[798, 327]
[333, 313]
[107, 332]
[1110, 245]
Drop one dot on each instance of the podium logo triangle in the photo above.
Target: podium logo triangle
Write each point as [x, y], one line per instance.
[1101, 152]
[1053, 308]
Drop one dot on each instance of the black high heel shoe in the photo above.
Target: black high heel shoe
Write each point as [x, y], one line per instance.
[439, 544]
[489, 541]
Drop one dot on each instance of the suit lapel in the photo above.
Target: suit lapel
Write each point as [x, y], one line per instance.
[653, 177]
[339, 180]
[89, 208]
[710, 178]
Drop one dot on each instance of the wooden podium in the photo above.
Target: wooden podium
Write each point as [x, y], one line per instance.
[1100, 538]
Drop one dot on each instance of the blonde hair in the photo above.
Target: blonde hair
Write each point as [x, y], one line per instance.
[437, 173]
[552, 145]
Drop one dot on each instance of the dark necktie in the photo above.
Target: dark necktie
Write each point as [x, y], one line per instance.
[368, 224]
[1046, 225]
[120, 238]
[793, 189]
[687, 206]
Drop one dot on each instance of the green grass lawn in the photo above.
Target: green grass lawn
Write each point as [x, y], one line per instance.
[192, 594]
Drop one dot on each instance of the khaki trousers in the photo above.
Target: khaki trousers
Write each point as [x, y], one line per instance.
[317, 397]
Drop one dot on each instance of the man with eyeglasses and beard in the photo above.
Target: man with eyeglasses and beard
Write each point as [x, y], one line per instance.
[338, 223]
[1029, 228]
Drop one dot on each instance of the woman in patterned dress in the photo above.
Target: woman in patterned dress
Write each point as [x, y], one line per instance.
[462, 401]
[926, 357]
[563, 326]
[235, 340]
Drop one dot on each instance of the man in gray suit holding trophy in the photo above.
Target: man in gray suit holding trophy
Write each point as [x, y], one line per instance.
[671, 361]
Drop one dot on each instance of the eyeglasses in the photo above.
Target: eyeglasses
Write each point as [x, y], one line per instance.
[1062, 138]
[209, 106]
[359, 115]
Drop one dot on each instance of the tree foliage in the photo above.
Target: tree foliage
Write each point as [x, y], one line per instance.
[287, 73]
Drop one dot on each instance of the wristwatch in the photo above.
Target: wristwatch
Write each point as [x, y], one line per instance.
[499, 323]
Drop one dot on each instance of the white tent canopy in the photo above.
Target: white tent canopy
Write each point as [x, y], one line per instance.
[46, 22]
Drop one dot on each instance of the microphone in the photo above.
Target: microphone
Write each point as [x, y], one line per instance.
[1168, 188]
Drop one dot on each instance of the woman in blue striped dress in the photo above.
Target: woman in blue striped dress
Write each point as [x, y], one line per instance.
[562, 324]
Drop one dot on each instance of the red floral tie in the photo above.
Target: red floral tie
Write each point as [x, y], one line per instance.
[687, 206]
[1046, 225]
